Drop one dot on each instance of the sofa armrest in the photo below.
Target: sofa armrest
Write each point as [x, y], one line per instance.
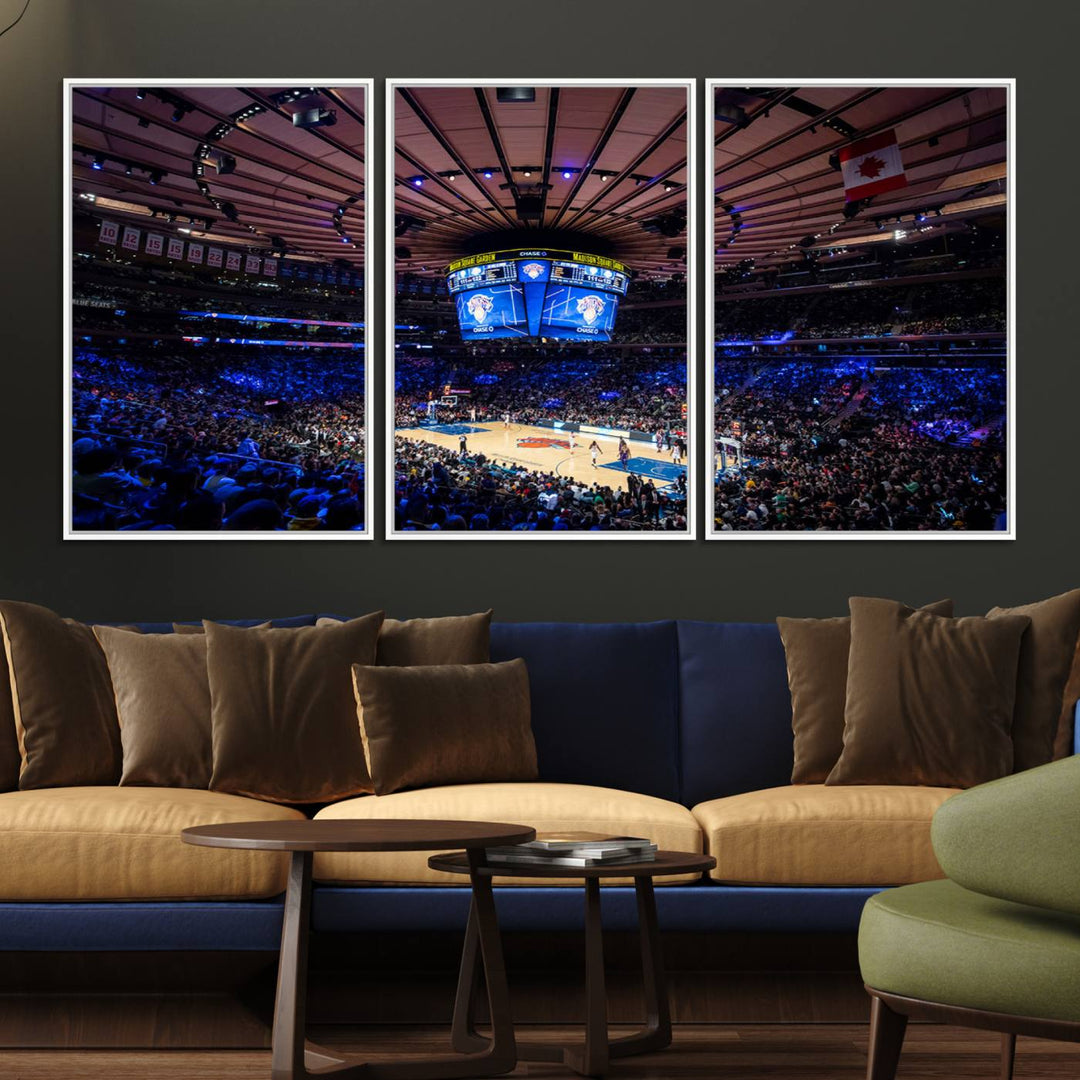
[1017, 838]
[1076, 729]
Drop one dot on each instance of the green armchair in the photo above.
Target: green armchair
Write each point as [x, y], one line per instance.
[997, 944]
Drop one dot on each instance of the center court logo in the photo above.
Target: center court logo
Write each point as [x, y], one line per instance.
[479, 307]
[590, 308]
[541, 442]
[533, 270]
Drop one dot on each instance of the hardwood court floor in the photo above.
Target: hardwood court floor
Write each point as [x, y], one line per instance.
[700, 1052]
[501, 444]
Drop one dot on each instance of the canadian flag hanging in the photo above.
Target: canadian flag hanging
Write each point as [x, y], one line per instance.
[872, 166]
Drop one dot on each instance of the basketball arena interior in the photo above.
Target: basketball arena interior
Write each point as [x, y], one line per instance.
[217, 288]
[540, 360]
[861, 378]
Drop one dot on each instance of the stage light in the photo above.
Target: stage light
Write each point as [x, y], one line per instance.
[603, 177]
[345, 240]
[452, 177]
[567, 174]
[527, 172]
[156, 176]
[487, 174]
[177, 115]
[418, 181]
[98, 162]
[668, 187]
[128, 170]
[140, 94]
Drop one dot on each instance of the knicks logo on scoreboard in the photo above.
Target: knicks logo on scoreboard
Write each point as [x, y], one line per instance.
[533, 270]
[540, 442]
[590, 308]
[480, 307]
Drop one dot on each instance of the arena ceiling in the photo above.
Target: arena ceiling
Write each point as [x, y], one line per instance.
[607, 161]
[777, 193]
[156, 149]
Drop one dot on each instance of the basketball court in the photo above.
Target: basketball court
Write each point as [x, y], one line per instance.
[548, 450]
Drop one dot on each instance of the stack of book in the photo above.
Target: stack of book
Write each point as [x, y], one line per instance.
[575, 849]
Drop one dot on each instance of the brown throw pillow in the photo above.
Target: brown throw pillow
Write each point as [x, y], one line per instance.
[445, 724]
[1066, 730]
[163, 702]
[282, 710]
[9, 739]
[62, 697]
[929, 700]
[817, 662]
[455, 639]
[1046, 658]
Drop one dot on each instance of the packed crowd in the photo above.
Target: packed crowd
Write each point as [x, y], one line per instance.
[206, 439]
[586, 386]
[946, 307]
[839, 447]
[437, 488]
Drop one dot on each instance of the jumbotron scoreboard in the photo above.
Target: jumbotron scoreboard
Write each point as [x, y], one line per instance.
[537, 293]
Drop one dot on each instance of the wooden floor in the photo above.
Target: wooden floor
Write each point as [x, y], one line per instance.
[725, 1052]
[501, 444]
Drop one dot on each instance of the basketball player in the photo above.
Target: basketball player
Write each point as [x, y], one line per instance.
[572, 443]
[506, 420]
[463, 445]
[624, 454]
[676, 452]
[594, 451]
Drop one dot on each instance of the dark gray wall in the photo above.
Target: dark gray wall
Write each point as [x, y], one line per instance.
[335, 39]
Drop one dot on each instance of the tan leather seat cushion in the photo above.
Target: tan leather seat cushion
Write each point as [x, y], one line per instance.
[810, 834]
[546, 807]
[123, 843]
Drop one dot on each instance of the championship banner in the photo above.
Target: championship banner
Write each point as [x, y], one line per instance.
[872, 166]
[155, 243]
[286, 269]
[270, 267]
[232, 260]
[251, 264]
[175, 249]
[131, 238]
[195, 253]
[213, 256]
[109, 233]
[331, 277]
[316, 275]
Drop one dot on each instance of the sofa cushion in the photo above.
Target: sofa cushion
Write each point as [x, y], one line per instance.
[939, 942]
[113, 843]
[546, 807]
[810, 834]
[439, 724]
[65, 715]
[604, 701]
[735, 727]
[10, 762]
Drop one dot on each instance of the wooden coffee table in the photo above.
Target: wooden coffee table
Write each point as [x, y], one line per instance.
[294, 1059]
[591, 1058]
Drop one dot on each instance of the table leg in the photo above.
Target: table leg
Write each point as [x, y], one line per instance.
[463, 1034]
[592, 1059]
[657, 1031]
[290, 1012]
[294, 1059]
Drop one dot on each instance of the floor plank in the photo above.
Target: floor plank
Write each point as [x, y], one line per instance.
[725, 1052]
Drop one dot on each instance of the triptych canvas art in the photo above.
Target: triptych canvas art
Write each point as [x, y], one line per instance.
[540, 338]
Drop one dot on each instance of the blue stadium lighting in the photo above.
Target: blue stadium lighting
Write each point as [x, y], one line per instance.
[567, 174]
[345, 240]
[418, 181]
[487, 174]
[275, 319]
[98, 163]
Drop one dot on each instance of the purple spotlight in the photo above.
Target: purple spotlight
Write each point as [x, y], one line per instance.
[487, 174]
[418, 181]
[567, 174]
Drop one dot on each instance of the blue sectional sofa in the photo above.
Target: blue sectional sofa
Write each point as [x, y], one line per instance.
[686, 721]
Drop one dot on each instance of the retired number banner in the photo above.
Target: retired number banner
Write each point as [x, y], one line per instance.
[155, 243]
[195, 253]
[270, 267]
[110, 232]
[251, 264]
[232, 260]
[176, 248]
[131, 238]
[213, 256]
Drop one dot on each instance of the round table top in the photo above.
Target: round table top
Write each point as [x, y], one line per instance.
[375, 834]
[666, 862]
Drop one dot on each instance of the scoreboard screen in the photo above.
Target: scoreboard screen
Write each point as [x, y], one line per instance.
[555, 294]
